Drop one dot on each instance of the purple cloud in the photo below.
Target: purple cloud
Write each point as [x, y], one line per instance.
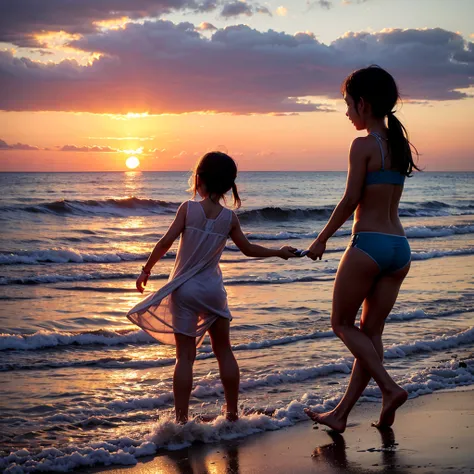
[85, 148]
[17, 146]
[161, 67]
[21, 20]
[237, 8]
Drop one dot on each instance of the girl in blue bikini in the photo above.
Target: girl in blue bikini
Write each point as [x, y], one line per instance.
[378, 257]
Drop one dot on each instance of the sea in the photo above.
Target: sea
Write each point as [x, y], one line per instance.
[82, 386]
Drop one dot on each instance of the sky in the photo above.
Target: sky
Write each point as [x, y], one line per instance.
[85, 85]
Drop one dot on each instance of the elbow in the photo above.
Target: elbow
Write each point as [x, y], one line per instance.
[350, 202]
[248, 251]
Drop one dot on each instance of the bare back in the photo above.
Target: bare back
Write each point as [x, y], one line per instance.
[378, 207]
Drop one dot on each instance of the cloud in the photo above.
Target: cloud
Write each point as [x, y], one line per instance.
[159, 66]
[264, 10]
[239, 7]
[327, 4]
[236, 9]
[22, 20]
[350, 2]
[85, 148]
[282, 11]
[17, 146]
[205, 26]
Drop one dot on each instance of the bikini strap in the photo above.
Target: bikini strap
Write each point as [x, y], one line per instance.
[379, 141]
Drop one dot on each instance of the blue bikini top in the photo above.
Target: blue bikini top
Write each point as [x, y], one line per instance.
[383, 176]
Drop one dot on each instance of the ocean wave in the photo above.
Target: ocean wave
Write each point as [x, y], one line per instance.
[207, 387]
[114, 207]
[283, 214]
[429, 254]
[438, 343]
[59, 255]
[55, 278]
[413, 232]
[131, 206]
[165, 434]
[46, 339]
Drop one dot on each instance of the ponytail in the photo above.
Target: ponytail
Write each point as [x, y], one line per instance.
[400, 146]
[379, 89]
[235, 195]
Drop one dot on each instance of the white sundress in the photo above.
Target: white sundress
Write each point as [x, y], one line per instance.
[194, 296]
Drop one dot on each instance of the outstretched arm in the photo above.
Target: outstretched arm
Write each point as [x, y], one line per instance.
[253, 250]
[163, 245]
[358, 158]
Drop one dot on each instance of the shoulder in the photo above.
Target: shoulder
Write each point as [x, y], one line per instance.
[234, 219]
[183, 208]
[184, 205]
[361, 148]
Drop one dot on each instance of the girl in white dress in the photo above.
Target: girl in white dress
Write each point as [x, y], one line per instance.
[194, 300]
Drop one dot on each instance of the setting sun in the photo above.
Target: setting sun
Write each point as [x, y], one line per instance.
[132, 162]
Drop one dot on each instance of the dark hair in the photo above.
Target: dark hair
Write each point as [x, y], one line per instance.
[217, 171]
[378, 88]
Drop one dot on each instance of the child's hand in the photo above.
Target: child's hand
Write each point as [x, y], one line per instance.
[287, 252]
[142, 281]
[316, 250]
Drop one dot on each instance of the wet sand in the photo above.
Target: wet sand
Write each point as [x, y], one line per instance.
[432, 434]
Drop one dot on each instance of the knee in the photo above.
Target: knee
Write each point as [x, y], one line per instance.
[221, 350]
[340, 328]
[371, 330]
[375, 335]
[188, 356]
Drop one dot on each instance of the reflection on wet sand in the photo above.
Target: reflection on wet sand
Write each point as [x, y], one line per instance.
[197, 461]
[335, 455]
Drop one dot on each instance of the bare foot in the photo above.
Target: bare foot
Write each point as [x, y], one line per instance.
[328, 419]
[390, 405]
[230, 415]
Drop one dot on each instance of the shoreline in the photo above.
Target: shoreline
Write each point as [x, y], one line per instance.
[432, 433]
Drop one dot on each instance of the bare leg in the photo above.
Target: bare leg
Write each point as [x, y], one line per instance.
[354, 281]
[376, 308]
[183, 375]
[228, 367]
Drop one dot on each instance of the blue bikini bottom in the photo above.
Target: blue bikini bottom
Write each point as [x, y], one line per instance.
[390, 252]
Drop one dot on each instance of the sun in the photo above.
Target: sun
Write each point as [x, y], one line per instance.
[132, 162]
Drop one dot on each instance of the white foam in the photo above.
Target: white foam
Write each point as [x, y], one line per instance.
[44, 339]
[428, 254]
[68, 255]
[119, 452]
[168, 435]
[439, 343]
[422, 232]
[210, 385]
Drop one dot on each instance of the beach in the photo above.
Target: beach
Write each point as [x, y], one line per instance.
[82, 387]
[432, 434]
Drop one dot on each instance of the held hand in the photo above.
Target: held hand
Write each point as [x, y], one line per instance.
[287, 252]
[316, 250]
[142, 281]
